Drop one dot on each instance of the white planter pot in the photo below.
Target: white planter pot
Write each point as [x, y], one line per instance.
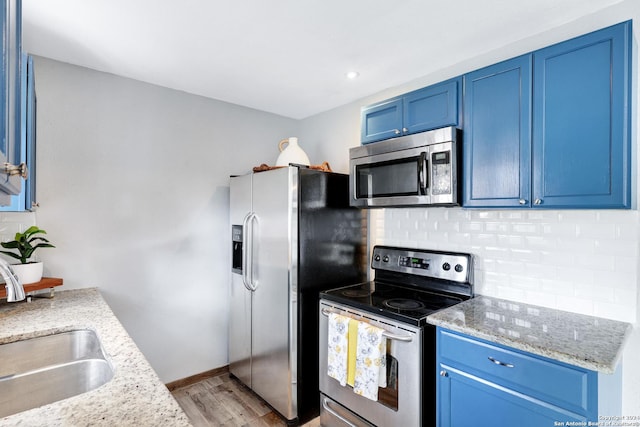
[28, 273]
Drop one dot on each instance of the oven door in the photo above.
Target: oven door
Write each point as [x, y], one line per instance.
[396, 178]
[399, 404]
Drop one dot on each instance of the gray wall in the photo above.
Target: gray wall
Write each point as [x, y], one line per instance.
[133, 189]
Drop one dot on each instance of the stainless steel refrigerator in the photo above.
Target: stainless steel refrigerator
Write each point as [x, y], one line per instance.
[293, 234]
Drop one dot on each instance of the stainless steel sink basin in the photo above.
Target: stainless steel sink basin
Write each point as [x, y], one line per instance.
[50, 368]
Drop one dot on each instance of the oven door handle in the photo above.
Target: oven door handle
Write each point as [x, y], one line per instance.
[325, 405]
[386, 334]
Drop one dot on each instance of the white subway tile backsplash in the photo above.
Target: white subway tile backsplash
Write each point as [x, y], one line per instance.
[548, 242]
[15, 222]
[602, 231]
[560, 229]
[584, 261]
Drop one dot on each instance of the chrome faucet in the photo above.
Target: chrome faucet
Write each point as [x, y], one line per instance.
[15, 290]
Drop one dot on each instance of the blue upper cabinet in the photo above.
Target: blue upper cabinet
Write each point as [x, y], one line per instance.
[432, 107]
[581, 135]
[26, 199]
[10, 94]
[382, 120]
[428, 108]
[572, 149]
[497, 135]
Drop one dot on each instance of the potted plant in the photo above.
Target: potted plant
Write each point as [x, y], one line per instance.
[26, 244]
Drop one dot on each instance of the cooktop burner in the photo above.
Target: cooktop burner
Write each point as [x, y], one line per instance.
[399, 302]
[410, 284]
[356, 293]
[403, 304]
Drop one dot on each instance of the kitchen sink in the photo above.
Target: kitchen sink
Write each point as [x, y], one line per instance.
[42, 370]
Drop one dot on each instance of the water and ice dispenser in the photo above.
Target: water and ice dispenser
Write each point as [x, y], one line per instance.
[236, 241]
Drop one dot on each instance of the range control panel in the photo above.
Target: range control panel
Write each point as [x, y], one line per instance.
[453, 266]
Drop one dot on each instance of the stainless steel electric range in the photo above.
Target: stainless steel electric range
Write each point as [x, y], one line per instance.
[409, 285]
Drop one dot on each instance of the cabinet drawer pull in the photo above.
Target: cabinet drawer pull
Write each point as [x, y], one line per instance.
[497, 362]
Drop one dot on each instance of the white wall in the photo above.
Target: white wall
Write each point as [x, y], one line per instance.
[580, 261]
[133, 189]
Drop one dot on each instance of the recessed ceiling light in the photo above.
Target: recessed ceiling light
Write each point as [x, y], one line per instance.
[352, 75]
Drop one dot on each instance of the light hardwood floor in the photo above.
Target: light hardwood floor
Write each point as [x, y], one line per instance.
[223, 401]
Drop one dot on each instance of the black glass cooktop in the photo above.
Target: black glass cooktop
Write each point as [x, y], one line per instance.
[398, 302]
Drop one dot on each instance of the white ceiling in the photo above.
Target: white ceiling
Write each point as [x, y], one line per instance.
[288, 57]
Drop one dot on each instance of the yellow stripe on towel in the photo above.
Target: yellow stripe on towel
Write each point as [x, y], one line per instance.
[351, 354]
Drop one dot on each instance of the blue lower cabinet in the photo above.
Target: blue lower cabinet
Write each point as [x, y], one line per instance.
[471, 401]
[486, 384]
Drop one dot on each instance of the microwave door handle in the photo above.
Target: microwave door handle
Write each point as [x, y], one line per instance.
[424, 172]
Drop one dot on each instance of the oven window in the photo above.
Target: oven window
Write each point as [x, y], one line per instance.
[388, 396]
[392, 178]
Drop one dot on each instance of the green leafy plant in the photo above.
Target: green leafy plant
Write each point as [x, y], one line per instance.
[26, 243]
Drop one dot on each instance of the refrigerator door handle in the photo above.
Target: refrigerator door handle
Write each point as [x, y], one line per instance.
[253, 285]
[247, 250]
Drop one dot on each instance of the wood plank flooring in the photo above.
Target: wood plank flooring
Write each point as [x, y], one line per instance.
[223, 401]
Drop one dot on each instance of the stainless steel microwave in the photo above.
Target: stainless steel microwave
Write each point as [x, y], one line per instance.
[413, 170]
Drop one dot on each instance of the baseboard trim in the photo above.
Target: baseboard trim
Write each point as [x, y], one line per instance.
[173, 385]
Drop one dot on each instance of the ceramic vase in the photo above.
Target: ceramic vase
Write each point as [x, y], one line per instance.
[292, 153]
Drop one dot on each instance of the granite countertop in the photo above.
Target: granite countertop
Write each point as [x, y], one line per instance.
[134, 397]
[586, 341]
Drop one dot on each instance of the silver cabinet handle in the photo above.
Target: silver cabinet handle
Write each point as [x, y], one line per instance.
[20, 169]
[444, 373]
[537, 202]
[405, 130]
[497, 362]
[325, 405]
[522, 201]
[396, 131]
[405, 338]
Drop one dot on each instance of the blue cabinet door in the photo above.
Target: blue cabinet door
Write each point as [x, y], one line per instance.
[381, 121]
[487, 384]
[26, 199]
[497, 135]
[10, 91]
[424, 109]
[582, 106]
[432, 107]
[465, 400]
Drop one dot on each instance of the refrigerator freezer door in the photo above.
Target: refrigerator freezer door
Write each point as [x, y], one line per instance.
[240, 307]
[274, 242]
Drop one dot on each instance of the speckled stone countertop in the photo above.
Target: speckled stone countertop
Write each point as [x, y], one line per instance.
[586, 341]
[134, 397]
